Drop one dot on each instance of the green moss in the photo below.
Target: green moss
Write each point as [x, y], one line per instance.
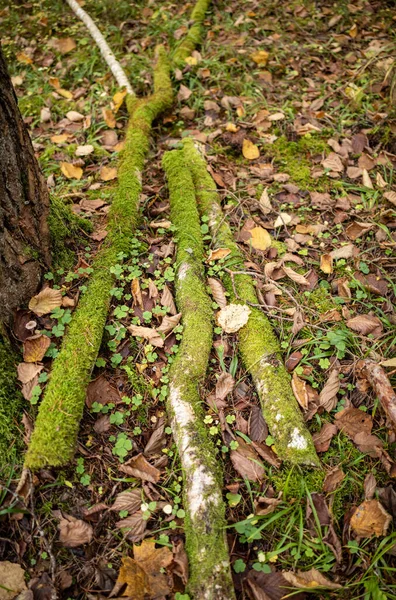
[294, 482]
[194, 35]
[281, 247]
[320, 299]
[11, 409]
[54, 436]
[66, 229]
[258, 344]
[205, 534]
[295, 158]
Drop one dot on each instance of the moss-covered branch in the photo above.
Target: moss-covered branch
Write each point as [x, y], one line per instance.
[259, 346]
[205, 534]
[194, 34]
[57, 423]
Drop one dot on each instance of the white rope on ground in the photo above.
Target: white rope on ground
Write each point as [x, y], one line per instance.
[107, 54]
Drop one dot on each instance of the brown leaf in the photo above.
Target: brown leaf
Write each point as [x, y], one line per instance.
[366, 179]
[359, 142]
[258, 430]
[45, 302]
[357, 229]
[92, 205]
[102, 392]
[322, 200]
[352, 421]
[328, 395]
[224, 386]
[35, 348]
[108, 173]
[265, 506]
[157, 441]
[180, 561]
[333, 479]
[370, 518]
[134, 526]
[218, 254]
[293, 360]
[260, 57]
[184, 93]
[322, 438]
[218, 292]
[143, 574]
[73, 532]
[109, 117]
[139, 467]
[368, 444]
[28, 371]
[347, 251]
[148, 334]
[266, 452]
[365, 324]
[269, 586]
[102, 424]
[300, 390]
[294, 276]
[246, 462]
[333, 162]
[12, 580]
[63, 45]
[169, 323]
[391, 197]
[370, 484]
[326, 263]
[130, 500]
[310, 579]
[167, 300]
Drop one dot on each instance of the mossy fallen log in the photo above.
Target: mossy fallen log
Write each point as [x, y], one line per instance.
[258, 344]
[206, 543]
[194, 34]
[54, 436]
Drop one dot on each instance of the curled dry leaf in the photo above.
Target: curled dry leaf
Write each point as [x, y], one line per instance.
[167, 300]
[137, 293]
[370, 518]
[365, 324]
[218, 254]
[157, 441]
[34, 348]
[102, 392]
[218, 292]
[328, 395]
[370, 484]
[134, 526]
[169, 323]
[109, 117]
[44, 302]
[224, 385]
[73, 532]
[266, 506]
[300, 390]
[180, 561]
[28, 371]
[260, 58]
[347, 251]
[130, 500]
[300, 279]
[265, 202]
[148, 334]
[310, 579]
[282, 219]
[232, 317]
[139, 467]
[333, 479]
[322, 438]
[246, 462]
[258, 430]
[333, 162]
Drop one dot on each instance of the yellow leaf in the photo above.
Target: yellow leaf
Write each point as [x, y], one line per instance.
[109, 117]
[250, 150]
[24, 58]
[60, 139]
[231, 127]
[65, 93]
[261, 239]
[118, 100]
[353, 31]
[70, 171]
[108, 173]
[54, 81]
[191, 60]
[35, 347]
[64, 45]
[218, 254]
[240, 111]
[120, 146]
[260, 57]
[326, 263]
[44, 302]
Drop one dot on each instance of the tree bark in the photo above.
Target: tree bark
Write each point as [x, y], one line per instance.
[24, 206]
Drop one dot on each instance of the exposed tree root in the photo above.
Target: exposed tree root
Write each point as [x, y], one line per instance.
[206, 543]
[194, 35]
[259, 346]
[115, 67]
[57, 423]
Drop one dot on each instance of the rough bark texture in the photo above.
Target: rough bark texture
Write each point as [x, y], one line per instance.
[24, 207]
[258, 344]
[206, 542]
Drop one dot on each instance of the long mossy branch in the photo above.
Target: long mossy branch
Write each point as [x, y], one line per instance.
[206, 543]
[57, 423]
[194, 34]
[258, 344]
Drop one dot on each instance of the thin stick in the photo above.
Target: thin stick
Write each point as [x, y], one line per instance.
[107, 54]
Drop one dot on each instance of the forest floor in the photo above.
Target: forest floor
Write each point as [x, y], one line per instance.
[294, 104]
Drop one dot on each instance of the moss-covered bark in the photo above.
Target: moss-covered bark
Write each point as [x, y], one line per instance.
[57, 423]
[206, 543]
[194, 35]
[259, 346]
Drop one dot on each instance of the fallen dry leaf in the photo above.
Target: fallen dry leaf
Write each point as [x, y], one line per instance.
[328, 395]
[102, 392]
[300, 390]
[310, 579]
[118, 99]
[139, 467]
[326, 263]
[218, 254]
[265, 202]
[130, 500]
[260, 238]
[169, 322]
[143, 575]
[45, 302]
[70, 171]
[352, 421]
[109, 117]
[365, 324]
[224, 386]
[282, 219]
[257, 427]
[218, 292]
[344, 252]
[108, 173]
[322, 438]
[232, 317]
[260, 57]
[74, 116]
[60, 139]
[133, 526]
[367, 180]
[246, 462]
[333, 479]
[333, 162]
[28, 371]
[370, 518]
[84, 150]
[34, 348]
[73, 532]
[184, 93]
[12, 580]
[167, 300]
[156, 441]
[250, 150]
[391, 197]
[148, 334]
[294, 276]
[63, 45]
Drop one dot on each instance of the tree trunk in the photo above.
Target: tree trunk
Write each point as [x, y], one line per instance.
[24, 206]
